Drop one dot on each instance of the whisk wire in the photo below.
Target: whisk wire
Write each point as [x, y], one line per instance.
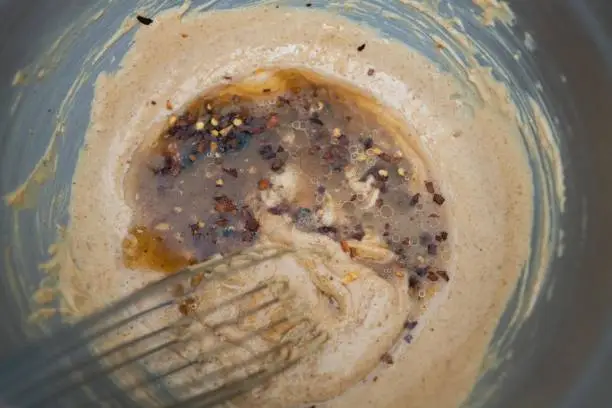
[63, 363]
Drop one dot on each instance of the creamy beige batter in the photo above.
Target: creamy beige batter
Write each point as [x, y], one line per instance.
[475, 147]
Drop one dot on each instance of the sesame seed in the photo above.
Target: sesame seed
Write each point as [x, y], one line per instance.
[199, 125]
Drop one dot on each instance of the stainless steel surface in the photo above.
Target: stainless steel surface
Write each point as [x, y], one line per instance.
[31, 378]
[562, 355]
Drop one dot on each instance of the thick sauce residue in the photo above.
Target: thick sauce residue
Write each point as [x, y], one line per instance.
[228, 130]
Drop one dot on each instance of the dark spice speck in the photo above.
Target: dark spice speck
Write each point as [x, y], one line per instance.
[438, 199]
[361, 47]
[387, 358]
[442, 236]
[430, 187]
[411, 324]
[231, 172]
[144, 20]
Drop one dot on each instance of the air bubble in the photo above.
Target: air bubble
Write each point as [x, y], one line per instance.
[298, 125]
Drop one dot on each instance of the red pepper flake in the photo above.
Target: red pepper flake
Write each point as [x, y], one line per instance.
[345, 246]
[439, 199]
[232, 172]
[361, 47]
[430, 187]
[387, 358]
[144, 20]
[169, 105]
[443, 275]
[224, 204]
[263, 184]
[371, 72]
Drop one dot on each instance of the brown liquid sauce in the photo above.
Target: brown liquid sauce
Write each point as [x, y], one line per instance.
[198, 190]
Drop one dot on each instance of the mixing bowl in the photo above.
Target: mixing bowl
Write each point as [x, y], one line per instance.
[553, 346]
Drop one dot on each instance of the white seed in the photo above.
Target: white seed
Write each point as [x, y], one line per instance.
[383, 173]
[219, 182]
[401, 172]
[237, 122]
[214, 122]
[178, 210]
[199, 125]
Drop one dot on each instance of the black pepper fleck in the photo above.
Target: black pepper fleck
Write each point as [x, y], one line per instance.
[442, 236]
[430, 187]
[438, 199]
[411, 324]
[387, 358]
[144, 20]
[361, 47]
[232, 172]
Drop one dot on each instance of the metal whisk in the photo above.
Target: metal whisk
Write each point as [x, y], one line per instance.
[191, 354]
